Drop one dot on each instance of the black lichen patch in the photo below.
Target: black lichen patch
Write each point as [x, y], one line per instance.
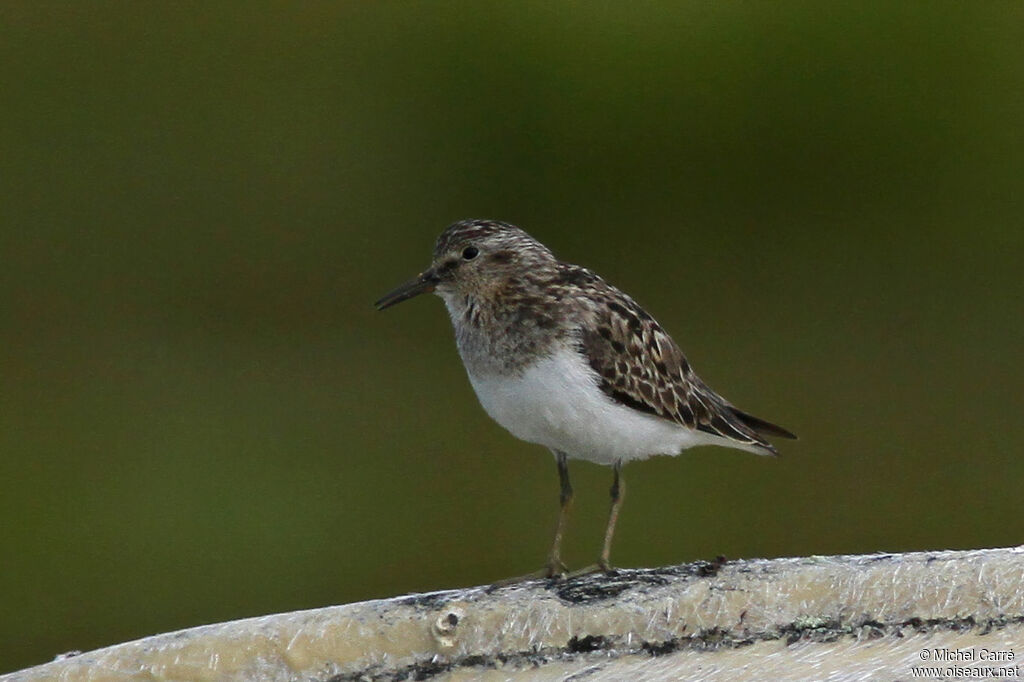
[583, 645]
[872, 629]
[717, 638]
[575, 592]
[431, 668]
[998, 623]
[424, 671]
[661, 648]
[954, 624]
[824, 630]
[602, 586]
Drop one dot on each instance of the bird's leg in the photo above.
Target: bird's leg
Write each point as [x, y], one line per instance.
[618, 491]
[554, 568]
[555, 565]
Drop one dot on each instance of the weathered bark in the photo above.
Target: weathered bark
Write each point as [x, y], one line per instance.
[837, 618]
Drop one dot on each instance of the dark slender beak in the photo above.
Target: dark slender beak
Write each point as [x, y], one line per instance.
[423, 283]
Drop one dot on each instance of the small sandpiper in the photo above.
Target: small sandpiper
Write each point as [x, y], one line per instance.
[561, 358]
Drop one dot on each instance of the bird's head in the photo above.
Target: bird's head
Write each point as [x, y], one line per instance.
[474, 258]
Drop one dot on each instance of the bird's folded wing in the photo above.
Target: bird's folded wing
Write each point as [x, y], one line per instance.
[640, 366]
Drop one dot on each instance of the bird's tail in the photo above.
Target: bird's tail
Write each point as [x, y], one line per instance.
[762, 427]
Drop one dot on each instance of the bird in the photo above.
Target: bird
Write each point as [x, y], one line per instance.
[561, 358]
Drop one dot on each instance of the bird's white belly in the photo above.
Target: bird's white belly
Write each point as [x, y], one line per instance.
[556, 402]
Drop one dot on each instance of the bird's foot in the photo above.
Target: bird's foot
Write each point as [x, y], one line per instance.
[601, 566]
[555, 569]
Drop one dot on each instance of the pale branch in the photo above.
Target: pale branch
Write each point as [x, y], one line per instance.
[838, 618]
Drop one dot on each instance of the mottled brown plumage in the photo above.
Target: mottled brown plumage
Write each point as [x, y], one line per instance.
[636, 362]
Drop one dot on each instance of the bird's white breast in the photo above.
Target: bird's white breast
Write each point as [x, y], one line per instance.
[556, 402]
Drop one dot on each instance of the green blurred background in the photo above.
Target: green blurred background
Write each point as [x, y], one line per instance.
[202, 417]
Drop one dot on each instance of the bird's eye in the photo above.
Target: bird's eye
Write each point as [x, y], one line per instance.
[470, 252]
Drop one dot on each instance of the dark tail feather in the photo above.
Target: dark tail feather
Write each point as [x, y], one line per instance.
[761, 426]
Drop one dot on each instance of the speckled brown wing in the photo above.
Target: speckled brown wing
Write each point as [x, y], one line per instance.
[640, 366]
